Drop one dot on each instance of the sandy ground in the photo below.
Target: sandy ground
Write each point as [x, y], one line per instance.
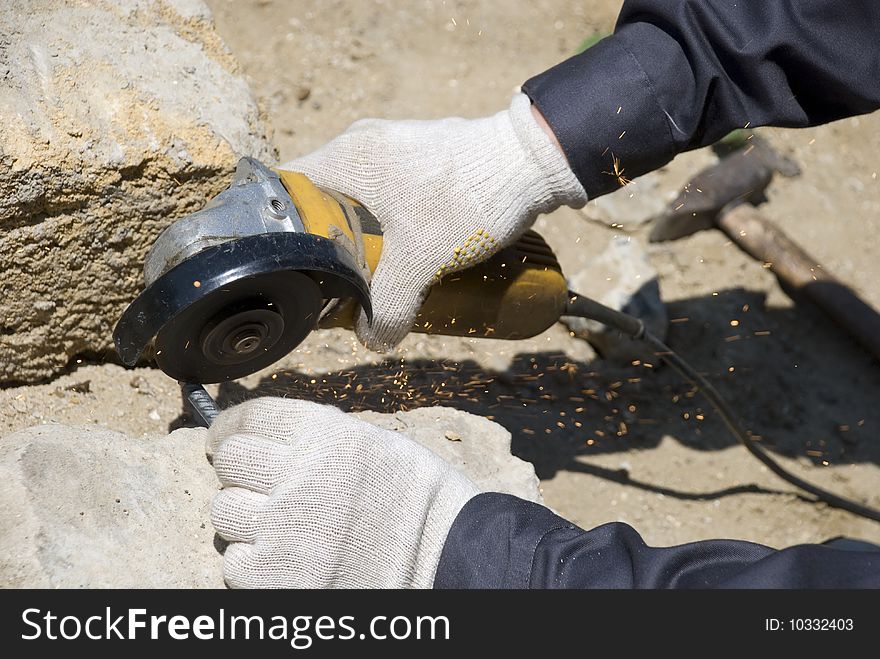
[609, 443]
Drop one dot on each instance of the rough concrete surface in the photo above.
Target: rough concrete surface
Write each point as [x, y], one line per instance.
[473, 445]
[115, 117]
[84, 506]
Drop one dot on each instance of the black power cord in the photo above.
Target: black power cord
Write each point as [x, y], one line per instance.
[584, 307]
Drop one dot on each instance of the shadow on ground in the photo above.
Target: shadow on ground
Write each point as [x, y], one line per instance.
[794, 379]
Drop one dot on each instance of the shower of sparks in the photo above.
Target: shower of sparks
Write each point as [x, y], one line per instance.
[544, 399]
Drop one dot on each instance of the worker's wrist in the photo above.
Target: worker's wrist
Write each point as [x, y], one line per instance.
[552, 182]
[544, 126]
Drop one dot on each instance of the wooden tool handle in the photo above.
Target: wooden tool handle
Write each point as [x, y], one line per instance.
[745, 226]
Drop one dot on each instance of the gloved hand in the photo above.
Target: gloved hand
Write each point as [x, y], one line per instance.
[448, 194]
[314, 498]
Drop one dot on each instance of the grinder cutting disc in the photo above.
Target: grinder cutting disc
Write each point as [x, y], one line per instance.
[236, 308]
[239, 328]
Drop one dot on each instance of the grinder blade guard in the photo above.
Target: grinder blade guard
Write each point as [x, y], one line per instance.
[236, 286]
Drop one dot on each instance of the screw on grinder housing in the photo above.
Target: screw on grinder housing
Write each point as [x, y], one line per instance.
[234, 287]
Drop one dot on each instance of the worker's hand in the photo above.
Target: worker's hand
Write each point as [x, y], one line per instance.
[448, 194]
[314, 498]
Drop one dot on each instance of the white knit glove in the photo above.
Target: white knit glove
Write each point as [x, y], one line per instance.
[314, 498]
[448, 194]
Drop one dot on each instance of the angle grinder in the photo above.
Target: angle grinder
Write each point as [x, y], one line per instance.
[236, 286]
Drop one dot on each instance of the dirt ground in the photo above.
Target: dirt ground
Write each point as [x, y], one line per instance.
[609, 443]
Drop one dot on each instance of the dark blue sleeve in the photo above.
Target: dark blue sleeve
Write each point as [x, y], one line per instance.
[500, 541]
[680, 74]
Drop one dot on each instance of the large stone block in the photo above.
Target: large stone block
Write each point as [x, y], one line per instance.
[84, 506]
[87, 507]
[116, 117]
[477, 447]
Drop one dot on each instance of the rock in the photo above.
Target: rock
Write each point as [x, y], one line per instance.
[632, 205]
[621, 278]
[116, 117]
[83, 387]
[303, 92]
[140, 383]
[84, 506]
[481, 450]
[89, 507]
